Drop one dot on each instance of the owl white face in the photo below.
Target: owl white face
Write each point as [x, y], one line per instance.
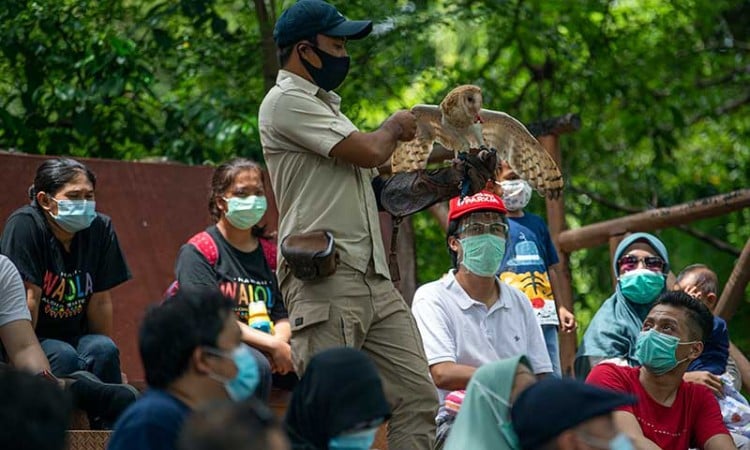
[473, 101]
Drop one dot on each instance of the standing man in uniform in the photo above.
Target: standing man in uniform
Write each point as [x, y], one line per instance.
[322, 169]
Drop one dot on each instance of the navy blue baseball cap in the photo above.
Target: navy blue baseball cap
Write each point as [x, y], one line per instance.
[553, 405]
[308, 18]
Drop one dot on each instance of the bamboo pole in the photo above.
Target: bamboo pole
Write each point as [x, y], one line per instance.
[564, 291]
[599, 233]
[734, 291]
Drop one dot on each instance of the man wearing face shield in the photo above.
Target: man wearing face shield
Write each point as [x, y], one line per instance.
[324, 176]
[671, 414]
[641, 265]
[469, 317]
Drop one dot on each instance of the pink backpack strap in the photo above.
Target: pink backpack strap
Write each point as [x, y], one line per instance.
[269, 251]
[206, 245]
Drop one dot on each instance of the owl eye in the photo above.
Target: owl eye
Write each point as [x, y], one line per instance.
[470, 98]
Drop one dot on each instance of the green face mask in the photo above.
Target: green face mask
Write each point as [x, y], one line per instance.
[657, 351]
[483, 254]
[641, 285]
[244, 212]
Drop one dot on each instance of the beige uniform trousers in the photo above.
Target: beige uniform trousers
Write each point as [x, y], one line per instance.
[365, 311]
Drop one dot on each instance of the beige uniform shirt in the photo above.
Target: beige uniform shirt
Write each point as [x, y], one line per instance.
[299, 125]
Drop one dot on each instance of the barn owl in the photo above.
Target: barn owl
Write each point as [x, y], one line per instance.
[460, 123]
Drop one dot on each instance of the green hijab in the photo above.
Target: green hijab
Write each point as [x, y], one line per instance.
[483, 422]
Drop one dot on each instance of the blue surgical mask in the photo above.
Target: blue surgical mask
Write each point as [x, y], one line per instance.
[641, 286]
[657, 351]
[360, 440]
[244, 383]
[619, 442]
[244, 212]
[74, 215]
[482, 254]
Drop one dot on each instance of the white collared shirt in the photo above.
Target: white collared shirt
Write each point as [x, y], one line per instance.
[456, 328]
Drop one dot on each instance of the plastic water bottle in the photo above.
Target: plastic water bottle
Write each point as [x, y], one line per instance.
[258, 318]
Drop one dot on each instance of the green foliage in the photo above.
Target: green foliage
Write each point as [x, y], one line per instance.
[662, 88]
[129, 80]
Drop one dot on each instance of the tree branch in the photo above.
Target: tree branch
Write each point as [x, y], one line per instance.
[730, 106]
[708, 239]
[723, 79]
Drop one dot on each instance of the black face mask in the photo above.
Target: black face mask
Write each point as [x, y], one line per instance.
[333, 71]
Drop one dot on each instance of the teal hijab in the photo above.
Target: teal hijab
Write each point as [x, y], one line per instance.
[615, 327]
[483, 422]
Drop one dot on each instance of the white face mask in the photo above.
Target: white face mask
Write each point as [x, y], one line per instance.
[516, 194]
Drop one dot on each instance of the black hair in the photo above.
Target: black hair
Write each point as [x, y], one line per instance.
[284, 53]
[705, 278]
[701, 321]
[452, 231]
[171, 331]
[53, 174]
[34, 411]
[222, 178]
[246, 425]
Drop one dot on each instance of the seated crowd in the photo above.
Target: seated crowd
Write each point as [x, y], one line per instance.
[474, 364]
[658, 356]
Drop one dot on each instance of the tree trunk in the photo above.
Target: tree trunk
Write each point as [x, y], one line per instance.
[266, 12]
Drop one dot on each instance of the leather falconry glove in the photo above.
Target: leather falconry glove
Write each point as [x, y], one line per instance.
[406, 193]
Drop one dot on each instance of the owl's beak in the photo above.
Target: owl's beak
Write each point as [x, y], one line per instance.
[478, 119]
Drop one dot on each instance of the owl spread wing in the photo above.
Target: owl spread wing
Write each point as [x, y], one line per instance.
[514, 144]
[412, 155]
[524, 154]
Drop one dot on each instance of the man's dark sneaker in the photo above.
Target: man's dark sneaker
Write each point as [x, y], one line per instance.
[103, 402]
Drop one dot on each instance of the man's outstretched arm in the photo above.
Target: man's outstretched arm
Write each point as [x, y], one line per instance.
[374, 148]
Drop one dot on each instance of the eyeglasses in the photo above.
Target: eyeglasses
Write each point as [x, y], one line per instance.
[630, 262]
[475, 229]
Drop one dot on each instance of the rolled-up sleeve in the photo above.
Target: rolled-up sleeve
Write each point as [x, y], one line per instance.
[309, 122]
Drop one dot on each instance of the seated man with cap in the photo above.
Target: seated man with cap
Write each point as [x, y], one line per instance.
[469, 317]
[565, 414]
[671, 414]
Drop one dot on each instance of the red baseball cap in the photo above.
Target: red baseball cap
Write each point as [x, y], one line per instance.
[481, 201]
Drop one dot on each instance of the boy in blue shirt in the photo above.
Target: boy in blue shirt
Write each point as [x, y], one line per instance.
[530, 263]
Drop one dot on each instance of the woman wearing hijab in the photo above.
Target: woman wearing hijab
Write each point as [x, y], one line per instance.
[641, 265]
[338, 404]
[483, 422]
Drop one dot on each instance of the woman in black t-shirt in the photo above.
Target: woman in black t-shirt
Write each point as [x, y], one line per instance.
[235, 262]
[69, 259]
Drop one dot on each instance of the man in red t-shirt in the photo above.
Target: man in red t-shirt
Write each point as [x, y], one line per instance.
[671, 414]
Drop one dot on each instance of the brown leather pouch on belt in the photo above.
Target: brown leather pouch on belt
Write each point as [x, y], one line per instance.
[310, 256]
